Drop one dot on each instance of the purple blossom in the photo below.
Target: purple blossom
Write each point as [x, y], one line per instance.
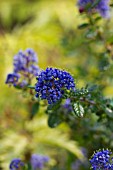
[33, 70]
[102, 160]
[67, 106]
[16, 164]
[23, 83]
[12, 78]
[51, 84]
[102, 7]
[24, 61]
[38, 161]
[31, 55]
[25, 65]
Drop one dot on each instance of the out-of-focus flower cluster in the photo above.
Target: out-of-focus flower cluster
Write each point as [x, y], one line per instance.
[67, 107]
[101, 6]
[16, 164]
[102, 160]
[51, 84]
[37, 162]
[24, 68]
[76, 165]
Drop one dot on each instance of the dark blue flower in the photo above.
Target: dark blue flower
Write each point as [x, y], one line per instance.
[12, 78]
[102, 160]
[88, 6]
[16, 164]
[51, 84]
[38, 161]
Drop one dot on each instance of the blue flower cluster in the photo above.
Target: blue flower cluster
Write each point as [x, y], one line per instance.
[16, 164]
[38, 161]
[12, 78]
[102, 160]
[89, 5]
[51, 84]
[25, 68]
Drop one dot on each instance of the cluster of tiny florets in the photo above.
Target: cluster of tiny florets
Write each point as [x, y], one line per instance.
[102, 160]
[101, 6]
[51, 84]
[24, 68]
[24, 62]
[16, 164]
[38, 161]
[12, 78]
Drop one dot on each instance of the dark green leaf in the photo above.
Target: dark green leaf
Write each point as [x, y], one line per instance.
[97, 18]
[35, 108]
[103, 62]
[53, 120]
[82, 26]
[17, 87]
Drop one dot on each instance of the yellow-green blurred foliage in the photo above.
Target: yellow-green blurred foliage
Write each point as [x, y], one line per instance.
[38, 25]
[42, 25]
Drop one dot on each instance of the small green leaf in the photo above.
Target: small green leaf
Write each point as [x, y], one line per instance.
[53, 120]
[35, 108]
[18, 87]
[31, 87]
[82, 26]
[97, 18]
[78, 109]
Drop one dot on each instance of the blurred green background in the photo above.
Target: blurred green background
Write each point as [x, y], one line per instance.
[51, 29]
